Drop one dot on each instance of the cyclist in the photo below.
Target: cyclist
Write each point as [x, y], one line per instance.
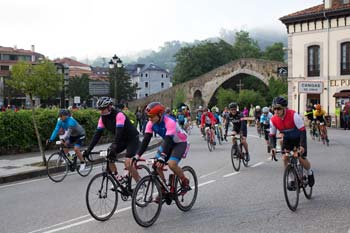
[239, 125]
[265, 124]
[257, 115]
[291, 125]
[181, 117]
[126, 135]
[174, 145]
[215, 111]
[207, 123]
[319, 116]
[199, 115]
[74, 133]
[309, 114]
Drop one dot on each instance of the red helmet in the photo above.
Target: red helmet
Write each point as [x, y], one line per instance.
[318, 107]
[155, 108]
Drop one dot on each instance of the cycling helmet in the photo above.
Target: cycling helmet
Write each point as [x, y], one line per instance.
[318, 107]
[257, 107]
[167, 110]
[155, 108]
[63, 112]
[279, 102]
[265, 109]
[232, 105]
[104, 102]
[200, 107]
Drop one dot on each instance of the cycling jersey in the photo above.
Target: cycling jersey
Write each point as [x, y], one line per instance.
[239, 125]
[207, 119]
[265, 119]
[319, 115]
[73, 128]
[257, 114]
[293, 130]
[217, 118]
[126, 135]
[309, 113]
[174, 138]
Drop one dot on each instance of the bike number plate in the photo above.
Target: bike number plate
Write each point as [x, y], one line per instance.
[150, 161]
[58, 142]
[103, 153]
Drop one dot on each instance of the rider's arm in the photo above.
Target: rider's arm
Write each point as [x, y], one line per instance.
[299, 123]
[144, 144]
[97, 135]
[55, 131]
[272, 134]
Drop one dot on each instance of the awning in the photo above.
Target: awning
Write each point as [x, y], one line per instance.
[342, 94]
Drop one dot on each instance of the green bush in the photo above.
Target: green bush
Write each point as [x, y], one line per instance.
[17, 131]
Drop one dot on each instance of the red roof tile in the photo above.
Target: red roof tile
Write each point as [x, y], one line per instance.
[71, 62]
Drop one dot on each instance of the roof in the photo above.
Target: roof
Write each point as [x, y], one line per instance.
[342, 94]
[317, 12]
[11, 50]
[71, 62]
[132, 68]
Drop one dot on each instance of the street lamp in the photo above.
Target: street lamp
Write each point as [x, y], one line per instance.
[63, 69]
[115, 63]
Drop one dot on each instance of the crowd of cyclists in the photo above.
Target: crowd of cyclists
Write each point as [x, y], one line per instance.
[173, 125]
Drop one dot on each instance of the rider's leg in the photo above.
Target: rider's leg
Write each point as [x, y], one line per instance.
[131, 151]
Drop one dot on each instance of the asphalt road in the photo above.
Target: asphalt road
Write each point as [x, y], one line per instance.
[249, 201]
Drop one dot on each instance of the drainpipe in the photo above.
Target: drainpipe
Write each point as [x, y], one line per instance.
[328, 79]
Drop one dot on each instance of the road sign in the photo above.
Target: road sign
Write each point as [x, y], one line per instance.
[77, 99]
[311, 87]
[282, 71]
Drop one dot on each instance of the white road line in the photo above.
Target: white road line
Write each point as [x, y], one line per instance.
[211, 173]
[257, 164]
[230, 174]
[89, 219]
[205, 183]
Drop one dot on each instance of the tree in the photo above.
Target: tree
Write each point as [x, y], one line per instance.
[277, 87]
[39, 80]
[79, 86]
[199, 59]
[122, 88]
[180, 97]
[225, 97]
[245, 47]
[274, 52]
[247, 97]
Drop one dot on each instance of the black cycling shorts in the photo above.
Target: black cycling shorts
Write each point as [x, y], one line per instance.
[290, 144]
[131, 147]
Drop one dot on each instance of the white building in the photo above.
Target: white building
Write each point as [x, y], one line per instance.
[149, 78]
[319, 55]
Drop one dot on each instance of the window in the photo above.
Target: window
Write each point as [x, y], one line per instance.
[141, 74]
[146, 95]
[146, 84]
[5, 57]
[346, 1]
[313, 67]
[146, 75]
[345, 58]
[162, 85]
[162, 76]
[4, 68]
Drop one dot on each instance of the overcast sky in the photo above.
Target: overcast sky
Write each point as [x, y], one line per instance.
[91, 28]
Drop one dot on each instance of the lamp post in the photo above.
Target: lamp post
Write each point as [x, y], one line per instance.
[115, 63]
[63, 69]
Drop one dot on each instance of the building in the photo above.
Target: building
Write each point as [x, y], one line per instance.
[319, 56]
[76, 69]
[149, 78]
[8, 57]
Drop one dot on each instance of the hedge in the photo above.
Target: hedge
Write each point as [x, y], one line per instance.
[17, 131]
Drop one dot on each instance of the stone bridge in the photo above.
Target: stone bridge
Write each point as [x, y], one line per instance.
[200, 90]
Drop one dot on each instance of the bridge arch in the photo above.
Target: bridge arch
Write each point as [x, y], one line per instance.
[202, 88]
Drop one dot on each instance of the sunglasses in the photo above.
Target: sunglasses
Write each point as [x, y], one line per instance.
[277, 108]
[233, 109]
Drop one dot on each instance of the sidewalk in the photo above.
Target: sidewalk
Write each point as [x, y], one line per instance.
[25, 166]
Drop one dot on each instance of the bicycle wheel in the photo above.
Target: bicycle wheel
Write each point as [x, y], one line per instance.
[143, 171]
[210, 145]
[101, 199]
[185, 201]
[218, 136]
[146, 201]
[291, 187]
[57, 167]
[235, 153]
[306, 187]
[244, 156]
[87, 170]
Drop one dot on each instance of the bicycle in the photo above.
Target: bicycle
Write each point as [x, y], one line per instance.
[102, 191]
[58, 164]
[294, 179]
[323, 132]
[238, 153]
[209, 138]
[218, 133]
[151, 192]
[314, 131]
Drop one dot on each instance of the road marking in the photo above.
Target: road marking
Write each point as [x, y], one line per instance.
[211, 173]
[257, 164]
[89, 219]
[230, 174]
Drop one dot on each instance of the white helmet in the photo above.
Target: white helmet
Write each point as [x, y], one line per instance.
[265, 109]
[104, 102]
[200, 107]
[257, 107]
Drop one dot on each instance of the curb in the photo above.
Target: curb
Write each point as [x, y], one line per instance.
[42, 171]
